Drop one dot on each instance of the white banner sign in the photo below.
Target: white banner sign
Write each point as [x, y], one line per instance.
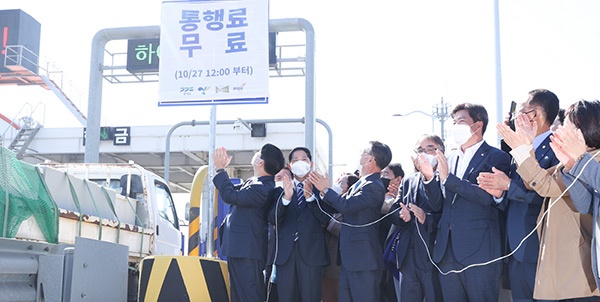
[214, 52]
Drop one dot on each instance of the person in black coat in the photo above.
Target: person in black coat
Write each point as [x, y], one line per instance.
[270, 272]
[523, 205]
[391, 176]
[469, 227]
[417, 227]
[359, 247]
[244, 229]
[299, 226]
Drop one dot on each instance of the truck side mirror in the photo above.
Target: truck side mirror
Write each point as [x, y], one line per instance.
[136, 185]
[187, 211]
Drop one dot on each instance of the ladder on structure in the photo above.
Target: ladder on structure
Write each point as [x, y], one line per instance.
[24, 137]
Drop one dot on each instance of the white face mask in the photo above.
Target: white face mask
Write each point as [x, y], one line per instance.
[337, 188]
[255, 163]
[358, 168]
[279, 184]
[431, 159]
[300, 168]
[462, 133]
[255, 159]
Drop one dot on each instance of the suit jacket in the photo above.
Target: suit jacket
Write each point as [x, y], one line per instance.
[359, 247]
[306, 224]
[564, 268]
[523, 207]
[271, 237]
[414, 193]
[469, 212]
[245, 227]
[586, 199]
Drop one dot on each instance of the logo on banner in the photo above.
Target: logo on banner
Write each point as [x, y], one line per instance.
[223, 89]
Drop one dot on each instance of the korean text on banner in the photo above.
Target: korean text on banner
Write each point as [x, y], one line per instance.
[214, 52]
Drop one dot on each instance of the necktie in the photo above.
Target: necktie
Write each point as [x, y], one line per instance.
[455, 171]
[300, 195]
[456, 167]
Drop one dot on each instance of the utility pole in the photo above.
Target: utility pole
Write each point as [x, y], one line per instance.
[441, 112]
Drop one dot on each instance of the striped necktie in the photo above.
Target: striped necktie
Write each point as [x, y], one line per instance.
[300, 195]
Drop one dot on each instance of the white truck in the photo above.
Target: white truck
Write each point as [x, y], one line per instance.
[77, 232]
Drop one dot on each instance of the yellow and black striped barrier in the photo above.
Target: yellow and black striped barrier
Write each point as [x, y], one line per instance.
[195, 201]
[183, 278]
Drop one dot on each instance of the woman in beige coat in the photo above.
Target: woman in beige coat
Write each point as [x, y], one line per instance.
[564, 269]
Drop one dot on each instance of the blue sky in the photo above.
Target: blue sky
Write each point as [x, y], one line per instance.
[373, 59]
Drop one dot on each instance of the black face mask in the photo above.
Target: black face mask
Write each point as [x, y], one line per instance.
[386, 183]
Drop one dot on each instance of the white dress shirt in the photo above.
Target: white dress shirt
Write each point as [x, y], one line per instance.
[464, 158]
[285, 202]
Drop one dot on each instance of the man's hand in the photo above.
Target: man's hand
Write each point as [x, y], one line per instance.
[308, 190]
[419, 213]
[524, 134]
[319, 181]
[288, 187]
[442, 165]
[495, 182]
[404, 213]
[220, 158]
[526, 128]
[423, 165]
[392, 190]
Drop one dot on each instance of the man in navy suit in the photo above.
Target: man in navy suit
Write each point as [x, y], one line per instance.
[244, 240]
[359, 248]
[522, 205]
[469, 227]
[420, 280]
[301, 249]
[270, 274]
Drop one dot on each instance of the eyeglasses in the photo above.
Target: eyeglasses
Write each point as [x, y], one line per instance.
[426, 150]
[514, 117]
[528, 112]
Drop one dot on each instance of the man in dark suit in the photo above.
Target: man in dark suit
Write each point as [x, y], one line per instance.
[359, 247]
[270, 273]
[301, 249]
[391, 176]
[469, 228]
[417, 222]
[522, 205]
[244, 240]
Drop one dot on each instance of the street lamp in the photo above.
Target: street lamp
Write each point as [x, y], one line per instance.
[438, 111]
[421, 112]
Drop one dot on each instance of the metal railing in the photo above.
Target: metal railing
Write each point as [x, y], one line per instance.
[22, 118]
[290, 63]
[26, 64]
[19, 57]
